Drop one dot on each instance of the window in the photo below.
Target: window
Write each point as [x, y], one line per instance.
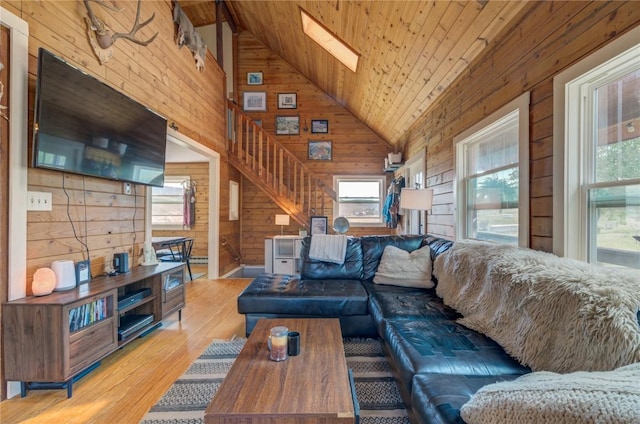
[414, 221]
[492, 160]
[598, 155]
[167, 203]
[332, 44]
[359, 200]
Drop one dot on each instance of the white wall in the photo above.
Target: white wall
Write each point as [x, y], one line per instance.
[19, 63]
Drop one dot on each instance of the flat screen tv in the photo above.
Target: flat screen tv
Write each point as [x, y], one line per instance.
[83, 126]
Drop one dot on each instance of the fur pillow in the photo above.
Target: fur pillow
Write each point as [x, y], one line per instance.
[546, 397]
[401, 268]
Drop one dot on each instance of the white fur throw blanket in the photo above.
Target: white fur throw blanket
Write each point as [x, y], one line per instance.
[551, 313]
[606, 397]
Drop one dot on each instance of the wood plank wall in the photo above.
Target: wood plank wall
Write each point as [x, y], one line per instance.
[357, 150]
[160, 76]
[90, 219]
[199, 174]
[546, 38]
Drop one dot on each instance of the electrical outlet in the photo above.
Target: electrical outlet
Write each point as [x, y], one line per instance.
[127, 188]
[39, 201]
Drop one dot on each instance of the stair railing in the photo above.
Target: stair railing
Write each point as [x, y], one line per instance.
[270, 165]
[234, 252]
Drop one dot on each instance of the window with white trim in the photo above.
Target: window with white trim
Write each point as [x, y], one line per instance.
[167, 203]
[492, 177]
[599, 214]
[359, 199]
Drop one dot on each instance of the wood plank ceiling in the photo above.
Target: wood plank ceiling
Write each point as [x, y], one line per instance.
[410, 51]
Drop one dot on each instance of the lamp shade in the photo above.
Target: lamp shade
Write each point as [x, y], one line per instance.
[65, 274]
[282, 219]
[416, 199]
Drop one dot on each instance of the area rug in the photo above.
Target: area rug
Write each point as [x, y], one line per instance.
[187, 399]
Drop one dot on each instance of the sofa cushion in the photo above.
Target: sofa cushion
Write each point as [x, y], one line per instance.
[406, 269]
[373, 248]
[414, 306]
[287, 294]
[437, 398]
[351, 269]
[550, 398]
[444, 347]
[410, 304]
[437, 245]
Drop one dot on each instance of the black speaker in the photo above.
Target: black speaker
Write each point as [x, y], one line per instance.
[121, 262]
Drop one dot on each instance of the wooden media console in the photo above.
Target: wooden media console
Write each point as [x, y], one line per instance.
[52, 340]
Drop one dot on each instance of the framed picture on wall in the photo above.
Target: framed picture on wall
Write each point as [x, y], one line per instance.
[318, 225]
[287, 125]
[319, 126]
[320, 150]
[254, 78]
[287, 100]
[254, 101]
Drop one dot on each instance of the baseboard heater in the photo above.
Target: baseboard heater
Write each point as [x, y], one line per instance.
[199, 259]
[129, 324]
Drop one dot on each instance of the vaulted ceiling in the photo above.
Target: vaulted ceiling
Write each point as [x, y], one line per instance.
[410, 51]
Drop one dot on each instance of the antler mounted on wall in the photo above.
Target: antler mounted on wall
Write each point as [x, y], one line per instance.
[186, 35]
[101, 38]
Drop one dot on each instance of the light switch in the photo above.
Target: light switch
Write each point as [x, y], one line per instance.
[39, 201]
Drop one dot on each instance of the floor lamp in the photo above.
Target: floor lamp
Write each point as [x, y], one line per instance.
[418, 200]
[282, 220]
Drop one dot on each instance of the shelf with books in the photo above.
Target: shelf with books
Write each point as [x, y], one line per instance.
[89, 313]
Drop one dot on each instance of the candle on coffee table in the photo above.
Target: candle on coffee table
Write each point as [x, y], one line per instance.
[279, 343]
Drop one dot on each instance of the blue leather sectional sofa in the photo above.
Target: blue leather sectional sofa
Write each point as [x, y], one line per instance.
[438, 363]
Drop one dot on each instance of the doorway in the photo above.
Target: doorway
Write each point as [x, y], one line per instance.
[191, 150]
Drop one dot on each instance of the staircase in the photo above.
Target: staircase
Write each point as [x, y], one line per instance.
[270, 166]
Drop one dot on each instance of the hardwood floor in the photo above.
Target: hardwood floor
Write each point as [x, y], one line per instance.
[128, 382]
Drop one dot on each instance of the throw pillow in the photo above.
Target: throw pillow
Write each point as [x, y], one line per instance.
[547, 397]
[401, 268]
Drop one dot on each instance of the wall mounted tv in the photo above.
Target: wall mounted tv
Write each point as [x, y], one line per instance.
[83, 126]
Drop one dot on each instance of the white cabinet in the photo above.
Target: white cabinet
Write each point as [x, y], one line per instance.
[282, 254]
[284, 266]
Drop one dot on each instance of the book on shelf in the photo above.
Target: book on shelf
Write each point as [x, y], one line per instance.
[87, 314]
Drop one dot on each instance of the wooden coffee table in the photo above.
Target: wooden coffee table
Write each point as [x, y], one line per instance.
[312, 387]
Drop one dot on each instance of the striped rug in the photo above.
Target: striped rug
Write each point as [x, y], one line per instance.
[188, 397]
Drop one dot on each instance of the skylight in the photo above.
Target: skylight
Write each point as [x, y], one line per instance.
[336, 47]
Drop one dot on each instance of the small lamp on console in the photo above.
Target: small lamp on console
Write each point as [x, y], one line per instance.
[282, 220]
[44, 281]
[418, 200]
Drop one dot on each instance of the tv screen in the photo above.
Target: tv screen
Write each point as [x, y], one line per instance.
[83, 126]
